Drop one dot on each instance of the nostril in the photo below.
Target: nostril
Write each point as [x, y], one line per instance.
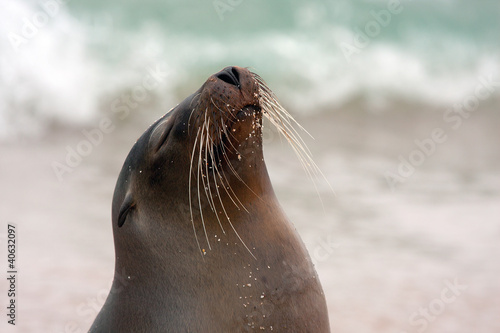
[227, 78]
[236, 75]
[229, 75]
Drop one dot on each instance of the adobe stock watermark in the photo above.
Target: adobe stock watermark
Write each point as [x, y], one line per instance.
[224, 6]
[453, 118]
[120, 107]
[372, 29]
[324, 249]
[32, 25]
[424, 316]
[89, 309]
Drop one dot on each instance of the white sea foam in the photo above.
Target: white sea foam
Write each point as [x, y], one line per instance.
[69, 68]
[46, 74]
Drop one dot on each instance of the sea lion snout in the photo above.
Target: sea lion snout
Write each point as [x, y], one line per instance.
[232, 89]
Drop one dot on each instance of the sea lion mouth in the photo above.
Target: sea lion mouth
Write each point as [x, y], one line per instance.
[248, 110]
[246, 123]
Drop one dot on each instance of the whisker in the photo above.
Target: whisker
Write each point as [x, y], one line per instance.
[206, 184]
[284, 122]
[210, 144]
[200, 172]
[190, 194]
[193, 109]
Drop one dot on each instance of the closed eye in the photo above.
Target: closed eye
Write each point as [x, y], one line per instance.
[127, 206]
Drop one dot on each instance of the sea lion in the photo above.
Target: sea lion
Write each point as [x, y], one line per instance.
[201, 242]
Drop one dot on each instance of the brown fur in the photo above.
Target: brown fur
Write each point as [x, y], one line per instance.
[200, 237]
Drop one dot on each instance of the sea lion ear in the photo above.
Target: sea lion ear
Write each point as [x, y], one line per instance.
[160, 134]
[127, 206]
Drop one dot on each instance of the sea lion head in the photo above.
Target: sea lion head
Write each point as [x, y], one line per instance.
[203, 154]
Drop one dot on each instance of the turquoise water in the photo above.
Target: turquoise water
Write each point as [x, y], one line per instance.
[476, 21]
[316, 55]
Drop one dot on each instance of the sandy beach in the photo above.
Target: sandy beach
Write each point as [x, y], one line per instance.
[422, 256]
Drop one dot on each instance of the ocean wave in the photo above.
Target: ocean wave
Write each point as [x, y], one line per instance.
[63, 70]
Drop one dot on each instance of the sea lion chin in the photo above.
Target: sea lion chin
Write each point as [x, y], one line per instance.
[198, 231]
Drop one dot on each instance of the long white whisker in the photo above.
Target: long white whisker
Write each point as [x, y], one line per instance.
[284, 122]
[190, 194]
[209, 147]
[206, 183]
[200, 172]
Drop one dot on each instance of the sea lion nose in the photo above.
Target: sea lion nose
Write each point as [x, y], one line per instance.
[230, 75]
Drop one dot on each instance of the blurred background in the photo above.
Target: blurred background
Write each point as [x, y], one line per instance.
[402, 99]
